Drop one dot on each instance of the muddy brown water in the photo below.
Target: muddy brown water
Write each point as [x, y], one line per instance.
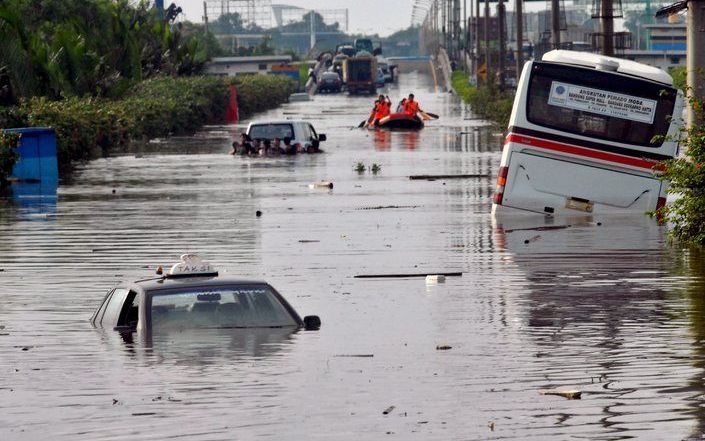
[608, 309]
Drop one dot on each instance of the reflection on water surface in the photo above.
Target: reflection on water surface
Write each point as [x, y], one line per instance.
[609, 309]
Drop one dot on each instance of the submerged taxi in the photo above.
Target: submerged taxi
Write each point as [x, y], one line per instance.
[193, 295]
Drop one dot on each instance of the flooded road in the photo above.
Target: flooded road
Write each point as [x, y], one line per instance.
[599, 305]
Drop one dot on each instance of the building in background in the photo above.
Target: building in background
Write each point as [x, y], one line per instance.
[665, 42]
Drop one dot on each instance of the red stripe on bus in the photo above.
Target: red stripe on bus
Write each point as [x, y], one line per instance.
[580, 151]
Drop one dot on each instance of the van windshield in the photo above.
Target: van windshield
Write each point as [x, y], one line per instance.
[604, 105]
[271, 131]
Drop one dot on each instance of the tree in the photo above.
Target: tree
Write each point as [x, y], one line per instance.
[61, 48]
[686, 177]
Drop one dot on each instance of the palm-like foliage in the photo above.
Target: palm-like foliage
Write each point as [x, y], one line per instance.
[58, 48]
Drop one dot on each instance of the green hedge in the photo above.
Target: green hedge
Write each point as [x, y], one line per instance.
[154, 108]
[261, 92]
[487, 101]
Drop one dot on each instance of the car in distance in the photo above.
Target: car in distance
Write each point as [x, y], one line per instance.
[383, 64]
[192, 295]
[381, 81]
[329, 82]
[301, 132]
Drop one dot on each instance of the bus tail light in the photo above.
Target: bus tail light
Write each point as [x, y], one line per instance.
[501, 183]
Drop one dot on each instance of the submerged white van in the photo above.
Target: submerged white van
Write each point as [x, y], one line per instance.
[586, 134]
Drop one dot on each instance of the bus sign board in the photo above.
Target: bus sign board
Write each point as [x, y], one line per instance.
[602, 102]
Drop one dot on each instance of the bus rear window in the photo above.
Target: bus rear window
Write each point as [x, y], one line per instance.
[603, 105]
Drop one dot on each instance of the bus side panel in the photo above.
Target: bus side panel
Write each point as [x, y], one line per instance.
[543, 185]
[518, 115]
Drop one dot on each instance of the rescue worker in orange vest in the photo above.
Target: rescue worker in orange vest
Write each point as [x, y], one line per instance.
[411, 107]
[382, 108]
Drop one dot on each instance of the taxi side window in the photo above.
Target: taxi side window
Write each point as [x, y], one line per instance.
[99, 313]
[114, 308]
[130, 313]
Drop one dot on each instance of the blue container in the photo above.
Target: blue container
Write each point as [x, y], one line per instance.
[36, 172]
[37, 151]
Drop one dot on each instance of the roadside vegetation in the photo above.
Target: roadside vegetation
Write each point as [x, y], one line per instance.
[686, 176]
[487, 100]
[154, 108]
[679, 77]
[8, 155]
[105, 72]
[61, 48]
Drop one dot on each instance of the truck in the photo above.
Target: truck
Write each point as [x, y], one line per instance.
[365, 44]
[360, 74]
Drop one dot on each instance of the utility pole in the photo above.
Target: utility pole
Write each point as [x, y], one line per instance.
[477, 39]
[556, 23]
[205, 17]
[313, 29]
[607, 22]
[456, 29]
[444, 9]
[695, 56]
[487, 41]
[449, 27]
[465, 34]
[519, 11]
[502, 42]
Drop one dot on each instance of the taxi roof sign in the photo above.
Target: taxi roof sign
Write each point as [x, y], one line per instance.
[192, 265]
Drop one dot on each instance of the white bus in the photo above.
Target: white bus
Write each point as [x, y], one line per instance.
[586, 134]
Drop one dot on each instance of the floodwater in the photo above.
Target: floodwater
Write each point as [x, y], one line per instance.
[603, 306]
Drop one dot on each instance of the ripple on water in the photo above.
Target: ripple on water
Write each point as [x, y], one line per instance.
[610, 309]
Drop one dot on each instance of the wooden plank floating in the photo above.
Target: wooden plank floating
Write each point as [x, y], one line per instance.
[434, 177]
[569, 394]
[543, 228]
[392, 276]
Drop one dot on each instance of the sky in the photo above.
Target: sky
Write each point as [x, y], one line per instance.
[381, 17]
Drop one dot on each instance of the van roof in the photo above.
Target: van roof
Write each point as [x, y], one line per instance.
[624, 66]
[278, 121]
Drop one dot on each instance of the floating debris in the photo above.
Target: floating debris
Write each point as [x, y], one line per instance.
[321, 184]
[532, 239]
[544, 228]
[355, 355]
[569, 394]
[435, 278]
[383, 207]
[380, 276]
[435, 177]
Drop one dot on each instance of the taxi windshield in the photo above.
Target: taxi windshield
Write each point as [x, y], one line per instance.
[219, 307]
